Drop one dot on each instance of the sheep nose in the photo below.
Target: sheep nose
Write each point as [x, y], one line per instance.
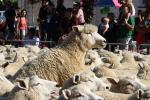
[104, 41]
[107, 87]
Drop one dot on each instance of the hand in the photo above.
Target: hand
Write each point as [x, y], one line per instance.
[125, 21]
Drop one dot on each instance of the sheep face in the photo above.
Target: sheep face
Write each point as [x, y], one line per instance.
[145, 95]
[43, 88]
[127, 85]
[89, 36]
[79, 92]
[144, 71]
[141, 95]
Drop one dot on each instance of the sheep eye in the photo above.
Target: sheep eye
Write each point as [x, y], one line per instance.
[79, 95]
[36, 84]
[129, 84]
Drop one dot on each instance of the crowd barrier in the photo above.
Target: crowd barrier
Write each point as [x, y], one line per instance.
[132, 46]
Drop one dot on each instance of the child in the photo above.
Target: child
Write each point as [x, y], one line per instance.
[22, 25]
[129, 3]
[103, 27]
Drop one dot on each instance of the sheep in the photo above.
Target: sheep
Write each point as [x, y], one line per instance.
[113, 59]
[79, 92]
[66, 59]
[144, 71]
[5, 85]
[103, 71]
[88, 78]
[126, 85]
[34, 88]
[129, 60]
[92, 58]
[138, 95]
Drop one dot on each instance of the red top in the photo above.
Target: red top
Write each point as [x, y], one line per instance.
[22, 23]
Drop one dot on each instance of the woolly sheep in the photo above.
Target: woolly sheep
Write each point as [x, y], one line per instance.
[79, 92]
[92, 58]
[34, 88]
[103, 71]
[126, 85]
[5, 85]
[144, 70]
[88, 78]
[63, 61]
[138, 95]
[113, 59]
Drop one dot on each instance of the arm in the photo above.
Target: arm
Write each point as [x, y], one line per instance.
[130, 24]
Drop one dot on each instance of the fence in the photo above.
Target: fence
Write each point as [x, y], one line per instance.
[133, 46]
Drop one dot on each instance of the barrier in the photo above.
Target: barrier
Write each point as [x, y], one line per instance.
[133, 46]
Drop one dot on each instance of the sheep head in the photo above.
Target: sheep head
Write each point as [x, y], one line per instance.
[79, 92]
[89, 37]
[126, 85]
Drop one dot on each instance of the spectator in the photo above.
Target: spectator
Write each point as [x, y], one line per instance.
[103, 27]
[42, 18]
[67, 21]
[129, 3]
[22, 25]
[125, 27]
[79, 14]
[140, 28]
[110, 35]
[10, 21]
[60, 9]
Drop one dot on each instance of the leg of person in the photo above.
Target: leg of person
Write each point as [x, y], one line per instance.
[127, 41]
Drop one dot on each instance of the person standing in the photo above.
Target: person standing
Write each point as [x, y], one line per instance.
[42, 19]
[125, 27]
[79, 14]
[22, 25]
[10, 21]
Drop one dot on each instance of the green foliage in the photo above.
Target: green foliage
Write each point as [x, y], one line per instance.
[105, 10]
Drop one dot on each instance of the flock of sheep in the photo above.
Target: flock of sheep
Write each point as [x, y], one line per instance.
[74, 70]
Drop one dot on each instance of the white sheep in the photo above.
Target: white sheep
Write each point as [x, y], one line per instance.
[92, 58]
[63, 61]
[87, 78]
[34, 88]
[5, 85]
[103, 71]
[138, 95]
[144, 70]
[126, 85]
[79, 92]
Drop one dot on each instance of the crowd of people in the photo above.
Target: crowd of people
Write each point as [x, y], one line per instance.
[55, 22]
[127, 28]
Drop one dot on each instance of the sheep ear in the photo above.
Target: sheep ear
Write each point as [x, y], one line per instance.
[5, 65]
[139, 93]
[141, 65]
[22, 83]
[113, 80]
[76, 79]
[78, 28]
[66, 93]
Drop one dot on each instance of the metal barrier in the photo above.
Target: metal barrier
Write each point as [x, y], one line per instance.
[118, 44]
[147, 46]
[132, 46]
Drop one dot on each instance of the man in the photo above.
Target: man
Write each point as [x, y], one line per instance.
[125, 27]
